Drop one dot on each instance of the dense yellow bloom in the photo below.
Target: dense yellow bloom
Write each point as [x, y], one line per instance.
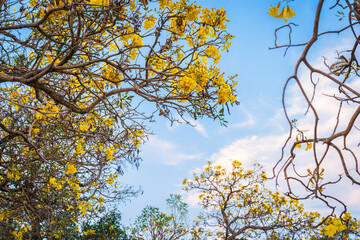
[192, 13]
[149, 23]
[225, 94]
[55, 183]
[164, 3]
[187, 84]
[335, 227]
[136, 40]
[99, 2]
[110, 153]
[213, 52]
[84, 127]
[71, 169]
[89, 232]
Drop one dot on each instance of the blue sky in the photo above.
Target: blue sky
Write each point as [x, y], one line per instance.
[256, 128]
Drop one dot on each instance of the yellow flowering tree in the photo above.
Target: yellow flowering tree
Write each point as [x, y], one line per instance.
[79, 80]
[329, 133]
[236, 205]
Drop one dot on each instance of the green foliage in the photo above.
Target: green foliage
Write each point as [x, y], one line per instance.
[154, 224]
[108, 227]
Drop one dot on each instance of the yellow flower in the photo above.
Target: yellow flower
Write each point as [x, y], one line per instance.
[149, 23]
[213, 52]
[274, 11]
[10, 175]
[71, 169]
[99, 2]
[335, 227]
[164, 3]
[192, 13]
[36, 130]
[101, 200]
[84, 127]
[187, 84]
[113, 47]
[79, 148]
[54, 183]
[110, 153]
[110, 180]
[136, 40]
[82, 208]
[224, 94]
[285, 12]
[88, 232]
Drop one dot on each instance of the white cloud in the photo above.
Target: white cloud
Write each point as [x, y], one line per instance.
[246, 123]
[166, 152]
[198, 127]
[264, 150]
[192, 199]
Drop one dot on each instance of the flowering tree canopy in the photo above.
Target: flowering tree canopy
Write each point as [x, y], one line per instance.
[79, 79]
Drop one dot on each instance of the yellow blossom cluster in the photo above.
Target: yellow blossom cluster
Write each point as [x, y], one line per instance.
[137, 137]
[199, 77]
[214, 17]
[99, 2]
[214, 53]
[111, 74]
[335, 225]
[187, 84]
[285, 13]
[225, 94]
[149, 23]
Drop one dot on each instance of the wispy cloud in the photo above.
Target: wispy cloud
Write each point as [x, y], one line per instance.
[246, 123]
[264, 150]
[199, 127]
[166, 152]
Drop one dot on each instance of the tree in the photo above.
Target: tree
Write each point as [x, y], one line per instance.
[152, 224]
[237, 206]
[79, 81]
[108, 227]
[338, 143]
